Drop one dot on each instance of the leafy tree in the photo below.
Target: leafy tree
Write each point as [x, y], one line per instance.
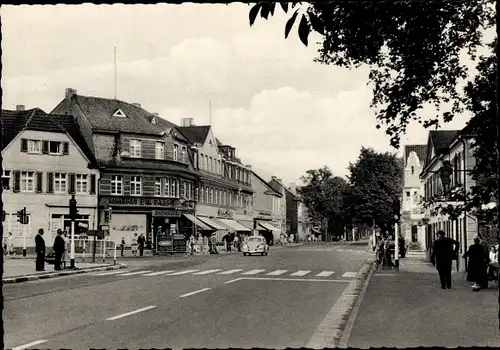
[376, 179]
[322, 193]
[411, 46]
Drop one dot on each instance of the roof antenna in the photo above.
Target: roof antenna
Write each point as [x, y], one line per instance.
[115, 71]
[210, 109]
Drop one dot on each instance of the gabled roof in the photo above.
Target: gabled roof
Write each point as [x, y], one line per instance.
[219, 143]
[420, 150]
[295, 196]
[266, 184]
[100, 114]
[196, 134]
[164, 125]
[439, 141]
[13, 122]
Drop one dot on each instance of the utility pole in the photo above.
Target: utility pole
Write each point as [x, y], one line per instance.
[396, 208]
[114, 66]
[73, 212]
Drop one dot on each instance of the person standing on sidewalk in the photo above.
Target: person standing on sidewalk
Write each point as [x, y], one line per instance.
[40, 251]
[476, 269]
[122, 246]
[59, 246]
[65, 258]
[443, 253]
[141, 241]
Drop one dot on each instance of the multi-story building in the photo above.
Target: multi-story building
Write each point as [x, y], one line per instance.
[448, 145]
[45, 161]
[148, 180]
[412, 227]
[225, 192]
[266, 208]
[297, 214]
[281, 223]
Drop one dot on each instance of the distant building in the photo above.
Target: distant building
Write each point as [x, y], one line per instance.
[296, 211]
[45, 161]
[284, 225]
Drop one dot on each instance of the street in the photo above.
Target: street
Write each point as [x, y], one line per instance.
[272, 301]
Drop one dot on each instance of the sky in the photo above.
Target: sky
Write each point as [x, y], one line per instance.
[283, 112]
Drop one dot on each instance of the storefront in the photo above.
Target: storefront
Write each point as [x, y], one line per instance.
[268, 231]
[161, 220]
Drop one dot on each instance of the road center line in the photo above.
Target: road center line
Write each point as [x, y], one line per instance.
[29, 345]
[130, 313]
[195, 292]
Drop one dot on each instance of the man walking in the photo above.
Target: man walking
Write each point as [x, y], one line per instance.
[59, 246]
[40, 251]
[443, 253]
[141, 241]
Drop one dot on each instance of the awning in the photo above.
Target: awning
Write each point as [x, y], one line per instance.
[198, 223]
[212, 223]
[233, 225]
[268, 227]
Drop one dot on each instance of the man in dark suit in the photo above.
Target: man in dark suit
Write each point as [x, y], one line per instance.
[442, 257]
[59, 246]
[40, 251]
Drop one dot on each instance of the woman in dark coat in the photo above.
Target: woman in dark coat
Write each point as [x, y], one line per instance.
[477, 264]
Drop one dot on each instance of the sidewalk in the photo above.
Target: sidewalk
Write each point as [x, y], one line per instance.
[409, 309]
[23, 270]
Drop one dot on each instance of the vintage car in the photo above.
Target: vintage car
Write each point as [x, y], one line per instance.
[255, 245]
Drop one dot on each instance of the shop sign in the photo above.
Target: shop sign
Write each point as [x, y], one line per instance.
[165, 243]
[225, 212]
[167, 213]
[130, 201]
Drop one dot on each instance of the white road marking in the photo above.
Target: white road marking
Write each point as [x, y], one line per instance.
[292, 279]
[185, 272]
[350, 274]
[384, 274]
[300, 273]
[325, 274]
[206, 272]
[235, 280]
[228, 272]
[135, 273]
[253, 272]
[130, 313]
[157, 273]
[29, 345]
[195, 292]
[277, 273]
[108, 273]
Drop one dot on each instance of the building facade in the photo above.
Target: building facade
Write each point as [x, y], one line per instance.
[300, 226]
[448, 145]
[412, 227]
[282, 224]
[266, 208]
[148, 180]
[45, 161]
[225, 191]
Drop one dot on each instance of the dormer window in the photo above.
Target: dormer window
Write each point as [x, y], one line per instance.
[176, 152]
[153, 121]
[119, 113]
[210, 143]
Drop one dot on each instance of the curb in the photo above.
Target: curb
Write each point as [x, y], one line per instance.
[29, 278]
[330, 332]
[355, 310]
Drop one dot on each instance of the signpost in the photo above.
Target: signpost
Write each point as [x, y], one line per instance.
[73, 212]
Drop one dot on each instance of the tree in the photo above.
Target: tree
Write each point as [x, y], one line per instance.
[412, 48]
[322, 193]
[376, 179]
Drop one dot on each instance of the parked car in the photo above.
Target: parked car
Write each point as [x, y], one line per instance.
[255, 245]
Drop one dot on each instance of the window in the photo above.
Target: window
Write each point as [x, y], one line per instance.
[55, 147]
[81, 183]
[116, 184]
[183, 154]
[229, 170]
[230, 199]
[206, 163]
[219, 168]
[220, 197]
[60, 183]
[189, 191]
[166, 188]
[135, 186]
[210, 164]
[407, 193]
[135, 148]
[201, 194]
[206, 194]
[224, 198]
[211, 195]
[176, 152]
[160, 150]
[34, 146]
[27, 181]
[412, 170]
[6, 180]
[157, 189]
[183, 189]
[173, 191]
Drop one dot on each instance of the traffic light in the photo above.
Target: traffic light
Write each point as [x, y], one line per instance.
[445, 173]
[396, 209]
[22, 217]
[73, 211]
[107, 216]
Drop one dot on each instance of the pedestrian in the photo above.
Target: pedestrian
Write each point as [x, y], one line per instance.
[388, 250]
[40, 251]
[59, 246]
[476, 268]
[134, 244]
[65, 256]
[442, 256]
[141, 242]
[122, 246]
[493, 265]
[484, 244]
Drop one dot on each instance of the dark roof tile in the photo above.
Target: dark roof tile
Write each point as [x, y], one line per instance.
[441, 139]
[163, 125]
[196, 134]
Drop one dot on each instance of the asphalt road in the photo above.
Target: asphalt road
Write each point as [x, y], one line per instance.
[272, 301]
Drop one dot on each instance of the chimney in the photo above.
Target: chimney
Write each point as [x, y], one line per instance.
[138, 105]
[20, 108]
[274, 178]
[186, 122]
[293, 187]
[156, 114]
[249, 167]
[70, 93]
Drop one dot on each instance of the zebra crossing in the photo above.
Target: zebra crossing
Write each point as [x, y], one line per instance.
[242, 272]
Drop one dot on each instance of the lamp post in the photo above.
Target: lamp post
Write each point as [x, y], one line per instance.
[73, 212]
